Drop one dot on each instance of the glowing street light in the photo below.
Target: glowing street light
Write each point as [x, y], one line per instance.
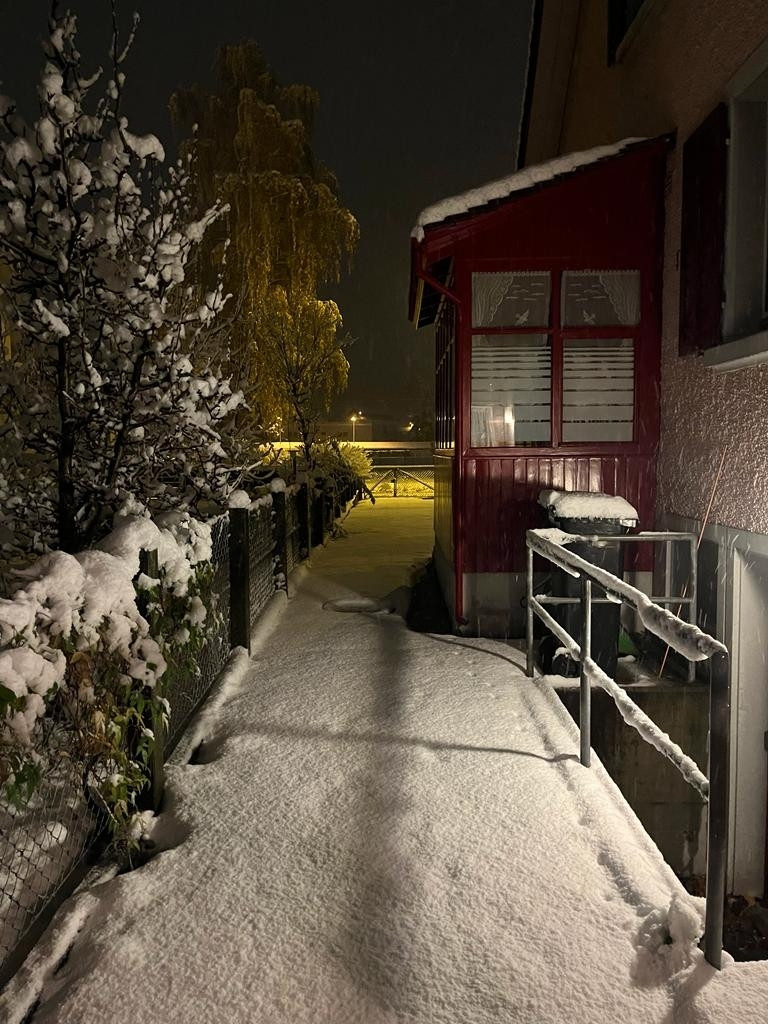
[355, 417]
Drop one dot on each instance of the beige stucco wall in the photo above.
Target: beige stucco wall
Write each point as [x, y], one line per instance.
[673, 71]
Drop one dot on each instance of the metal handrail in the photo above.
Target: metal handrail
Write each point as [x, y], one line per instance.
[687, 639]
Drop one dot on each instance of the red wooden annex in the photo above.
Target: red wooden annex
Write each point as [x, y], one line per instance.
[545, 292]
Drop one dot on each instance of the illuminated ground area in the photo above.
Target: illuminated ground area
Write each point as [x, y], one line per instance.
[385, 826]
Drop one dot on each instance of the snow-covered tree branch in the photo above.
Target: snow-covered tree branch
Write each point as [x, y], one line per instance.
[106, 395]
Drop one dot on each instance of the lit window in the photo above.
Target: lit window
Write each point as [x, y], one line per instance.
[511, 390]
[598, 389]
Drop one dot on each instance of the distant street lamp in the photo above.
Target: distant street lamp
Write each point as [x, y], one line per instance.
[355, 417]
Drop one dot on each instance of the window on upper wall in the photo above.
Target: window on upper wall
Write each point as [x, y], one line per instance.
[746, 230]
[621, 15]
[522, 357]
[724, 235]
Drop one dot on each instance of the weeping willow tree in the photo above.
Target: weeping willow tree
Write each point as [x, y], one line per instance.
[289, 235]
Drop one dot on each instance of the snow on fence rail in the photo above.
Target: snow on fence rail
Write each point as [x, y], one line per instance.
[684, 637]
[47, 845]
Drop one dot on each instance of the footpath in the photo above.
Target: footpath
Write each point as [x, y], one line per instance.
[370, 825]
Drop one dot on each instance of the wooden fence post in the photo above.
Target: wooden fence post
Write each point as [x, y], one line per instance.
[281, 539]
[239, 578]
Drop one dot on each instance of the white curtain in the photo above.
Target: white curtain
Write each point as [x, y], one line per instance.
[623, 291]
[493, 426]
[488, 291]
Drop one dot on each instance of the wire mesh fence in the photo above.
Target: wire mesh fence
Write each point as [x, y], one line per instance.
[292, 530]
[44, 850]
[46, 846]
[190, 685]
[261, 560]
[402, 481]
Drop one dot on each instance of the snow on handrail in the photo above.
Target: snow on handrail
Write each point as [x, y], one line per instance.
[651, 733]
[684, 637]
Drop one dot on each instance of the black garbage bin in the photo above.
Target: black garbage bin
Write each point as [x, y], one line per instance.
[592, 515]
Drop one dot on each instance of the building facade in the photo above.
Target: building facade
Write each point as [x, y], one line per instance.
[602, 70]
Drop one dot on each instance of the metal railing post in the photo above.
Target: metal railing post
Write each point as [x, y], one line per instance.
[239, 578]
[280, 527]
[585, 696]
[717, 824]
[693, 606]
[303, 512]
[715, 790]
[529, 612]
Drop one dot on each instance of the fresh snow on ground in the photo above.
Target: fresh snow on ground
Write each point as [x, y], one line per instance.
[381, 826]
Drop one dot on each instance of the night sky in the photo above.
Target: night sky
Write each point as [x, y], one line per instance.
[418, 100]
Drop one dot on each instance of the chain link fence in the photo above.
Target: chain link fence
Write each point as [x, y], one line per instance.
[402, 481]
[46, 846]
[293, 511]
[187, 689]
[261, 560]
[44, 849]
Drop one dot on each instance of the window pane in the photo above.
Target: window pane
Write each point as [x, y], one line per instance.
[598, 389]
[600, 297]
[511, 388]
[510, 300]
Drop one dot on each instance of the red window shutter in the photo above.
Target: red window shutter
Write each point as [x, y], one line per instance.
[702, 244]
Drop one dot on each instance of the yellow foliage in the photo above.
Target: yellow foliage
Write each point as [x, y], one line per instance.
[289, 233]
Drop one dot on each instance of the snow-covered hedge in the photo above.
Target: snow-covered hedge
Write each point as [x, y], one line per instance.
[340, 463]
[82, 669]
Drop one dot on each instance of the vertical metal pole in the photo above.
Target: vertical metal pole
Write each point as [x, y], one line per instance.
[529, 613]
[693, 606]
[280, 528]
[719, 784]
[394, 484]
[667, 570]
[239, 578]
[585, 702]
[305, 530]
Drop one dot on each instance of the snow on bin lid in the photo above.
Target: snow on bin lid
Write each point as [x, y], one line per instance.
[588, 505]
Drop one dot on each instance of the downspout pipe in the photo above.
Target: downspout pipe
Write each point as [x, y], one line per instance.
[458, 539]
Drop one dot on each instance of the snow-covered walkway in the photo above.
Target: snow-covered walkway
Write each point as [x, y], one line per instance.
[385, 826]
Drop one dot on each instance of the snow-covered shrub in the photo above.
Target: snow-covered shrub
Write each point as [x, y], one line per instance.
[340, 464]
[83, 672]
[106, 393]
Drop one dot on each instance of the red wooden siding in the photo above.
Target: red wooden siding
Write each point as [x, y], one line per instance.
[443, 504]
[501, 499]
[608, 216]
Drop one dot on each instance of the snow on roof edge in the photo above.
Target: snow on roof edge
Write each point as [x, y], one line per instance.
[525, 178]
